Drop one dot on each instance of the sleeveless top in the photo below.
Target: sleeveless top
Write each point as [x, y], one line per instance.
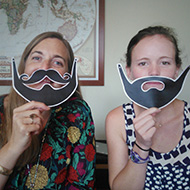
[164, 170]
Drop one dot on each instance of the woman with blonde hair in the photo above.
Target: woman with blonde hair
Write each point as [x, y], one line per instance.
[43, 147]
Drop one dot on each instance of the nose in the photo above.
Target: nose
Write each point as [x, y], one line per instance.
[45, 65]
[154, 70]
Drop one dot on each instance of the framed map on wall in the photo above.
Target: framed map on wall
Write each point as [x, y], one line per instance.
[81, 22]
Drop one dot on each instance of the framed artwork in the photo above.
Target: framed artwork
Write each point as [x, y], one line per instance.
[94, 64]
[5, 71]
[83, 26]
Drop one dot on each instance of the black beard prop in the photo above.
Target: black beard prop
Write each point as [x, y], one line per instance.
[47, 94]
[152, 97]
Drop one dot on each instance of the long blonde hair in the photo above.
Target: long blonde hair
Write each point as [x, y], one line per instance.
[14, 100]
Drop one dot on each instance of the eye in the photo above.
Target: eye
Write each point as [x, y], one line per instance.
[59, 63]
[165, 63]
[142, 63]
[36, 58]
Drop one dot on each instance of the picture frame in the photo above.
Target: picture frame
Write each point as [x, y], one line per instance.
[99, 38]
[98, 50]
[5, 72]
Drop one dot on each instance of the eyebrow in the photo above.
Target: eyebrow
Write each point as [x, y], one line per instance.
[39, 52]
[142, 59]
[146, 58]
[55, 56]
[163, 57]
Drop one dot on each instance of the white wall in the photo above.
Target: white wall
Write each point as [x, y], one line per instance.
[123, 18]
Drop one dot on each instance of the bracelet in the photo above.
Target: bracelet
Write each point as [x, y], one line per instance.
[140, 147]
[137, 159]
[5, 171]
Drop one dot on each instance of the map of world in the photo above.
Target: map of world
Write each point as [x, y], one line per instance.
[22, 20]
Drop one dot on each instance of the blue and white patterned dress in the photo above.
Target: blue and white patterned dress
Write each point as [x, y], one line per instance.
[164, 170]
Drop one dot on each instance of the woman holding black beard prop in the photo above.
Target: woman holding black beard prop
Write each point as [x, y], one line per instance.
[46, 142]
[148, 142]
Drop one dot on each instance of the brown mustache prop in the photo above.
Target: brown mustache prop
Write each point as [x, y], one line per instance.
[47, 94]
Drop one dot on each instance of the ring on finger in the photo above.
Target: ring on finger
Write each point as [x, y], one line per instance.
[27, 134]
[32, 116]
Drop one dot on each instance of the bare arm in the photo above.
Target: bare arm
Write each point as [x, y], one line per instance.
[8, 159]
[21, 136]
[122, 171]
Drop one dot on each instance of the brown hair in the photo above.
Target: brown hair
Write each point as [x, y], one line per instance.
[150, 31]
[15, 100]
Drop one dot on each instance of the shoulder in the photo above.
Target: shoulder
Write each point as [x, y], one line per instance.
[118, 114]
[79, 102]
[115, 114]
[74, 104]
[119, 111]
[115, 122]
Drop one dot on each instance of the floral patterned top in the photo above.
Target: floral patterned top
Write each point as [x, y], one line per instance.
[68, 155]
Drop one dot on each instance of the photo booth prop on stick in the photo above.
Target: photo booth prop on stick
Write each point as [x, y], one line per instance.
[47, 93]
[152, 97]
